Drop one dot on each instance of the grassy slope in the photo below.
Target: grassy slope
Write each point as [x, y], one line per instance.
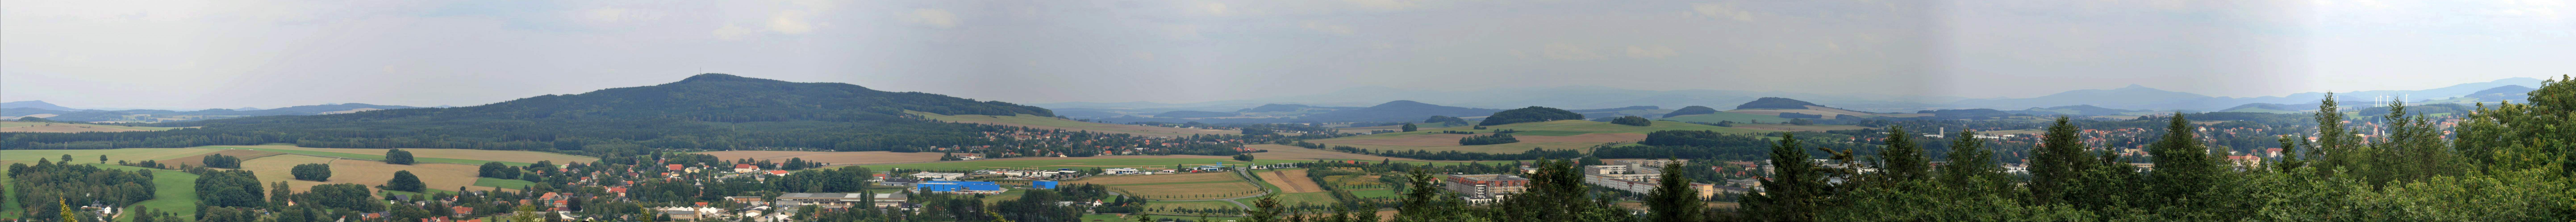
[1726, 116]
[19, 124]
[1549, 128]
[369, 157]
[173, 191]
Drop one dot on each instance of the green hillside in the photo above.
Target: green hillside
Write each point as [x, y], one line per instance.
[1580, 134]
[1726, 116]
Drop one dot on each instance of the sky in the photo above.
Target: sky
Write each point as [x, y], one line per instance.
[187, 54]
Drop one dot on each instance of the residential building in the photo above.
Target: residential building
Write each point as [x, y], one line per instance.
[1486, 188]
[840, 200]
[938, 176]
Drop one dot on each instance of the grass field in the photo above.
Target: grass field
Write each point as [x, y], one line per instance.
[834, 158]
[1811, 128]
[1294, 199]
[502, 183]
[200, 159]
[370, 173]
[1191, 186]
[173, 191]
[45, 127]
[1727, 116]
[91, 156]
[455, 156]
[1054, 123]
[1561, 134]
[1142, 162]
[1164, 206]
[1376, 193]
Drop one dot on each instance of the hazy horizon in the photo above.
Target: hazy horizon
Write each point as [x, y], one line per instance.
[157, 54]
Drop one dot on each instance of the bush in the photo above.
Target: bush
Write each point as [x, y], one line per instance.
[1497, 138]
[312, 172]
[398, 156]
[1632, 121]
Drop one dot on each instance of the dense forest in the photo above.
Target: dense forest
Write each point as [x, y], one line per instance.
[1531, 114]
[43, 188]
[1632, 121]
[1691, 110]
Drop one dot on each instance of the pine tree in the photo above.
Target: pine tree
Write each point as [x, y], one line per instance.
[1905, 160]
[2184, 168]
[1973, 167]
[1791, 193]
[1673, 200]
[1265, 210]
[2055, 164]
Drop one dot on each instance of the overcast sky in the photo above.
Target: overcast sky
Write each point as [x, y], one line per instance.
[237, 53]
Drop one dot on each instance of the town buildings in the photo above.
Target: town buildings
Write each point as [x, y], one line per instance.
[1486, 188]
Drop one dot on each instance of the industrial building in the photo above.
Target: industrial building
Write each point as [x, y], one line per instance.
[951, 186]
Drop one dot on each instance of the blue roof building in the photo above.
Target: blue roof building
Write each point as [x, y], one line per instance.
[952, 186]
[1043, 184]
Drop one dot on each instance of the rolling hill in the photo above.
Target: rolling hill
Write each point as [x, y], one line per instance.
[704, 111]
[1775, 106]
[1025, 120]
[1397, 111]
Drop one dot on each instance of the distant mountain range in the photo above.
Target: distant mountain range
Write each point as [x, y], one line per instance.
[59, 113]
[2124, 99]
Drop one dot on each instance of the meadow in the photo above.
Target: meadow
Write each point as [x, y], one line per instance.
[173, 191]
[455, 156]
[370, 173]
[1189, 186]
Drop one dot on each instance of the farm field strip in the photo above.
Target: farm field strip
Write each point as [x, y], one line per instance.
[370, 173]
[1292, 181]
[455, 156]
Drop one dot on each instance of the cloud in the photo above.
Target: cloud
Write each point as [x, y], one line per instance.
[1561, 51]
[1656, 52]
[933, 18]
[1343, 30]
[1722, 11]
[1212, 8]
[791, 22]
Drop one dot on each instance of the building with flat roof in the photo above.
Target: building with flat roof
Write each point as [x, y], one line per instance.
[1486, 188]
[951, 186]
[839, 200]
[938, 176]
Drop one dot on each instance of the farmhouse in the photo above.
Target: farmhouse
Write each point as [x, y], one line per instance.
[745, 168]
[899, 182]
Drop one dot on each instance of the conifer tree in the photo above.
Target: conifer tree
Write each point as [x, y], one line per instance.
[1791, 192]
[2055, 164]
[1973, 167]
[1673, 200]
[1905, 160]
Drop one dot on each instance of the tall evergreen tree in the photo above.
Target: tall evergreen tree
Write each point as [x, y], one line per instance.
[2184, 168]
[1905, 160]
[1673, 200]
[2053, 166]
[1794, 189]
[1973, 167]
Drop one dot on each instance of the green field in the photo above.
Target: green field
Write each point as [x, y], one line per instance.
[369, 156]
[1204, 204]
[173, 191]
[19, 124]
[1376, 193]
[1052, 122]
[502, 183]
[1307, 198]
[91, 156]
[1153, 162]
[1727, 116]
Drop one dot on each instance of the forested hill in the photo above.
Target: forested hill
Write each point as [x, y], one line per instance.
[703, 111]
